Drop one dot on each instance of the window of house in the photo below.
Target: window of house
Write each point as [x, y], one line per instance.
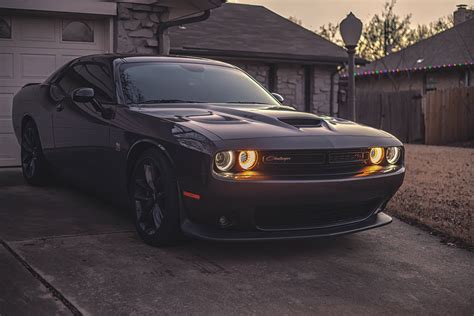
[89, 75]
[78, 31]
[5, 27]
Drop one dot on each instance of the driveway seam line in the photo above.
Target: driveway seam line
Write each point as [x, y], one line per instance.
[55, 292]
[69, 236]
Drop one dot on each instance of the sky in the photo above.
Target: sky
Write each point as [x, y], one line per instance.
[314, 13]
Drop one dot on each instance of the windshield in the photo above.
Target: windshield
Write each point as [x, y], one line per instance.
[160, 82]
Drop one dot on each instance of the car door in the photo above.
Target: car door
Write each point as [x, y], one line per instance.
[81, 132]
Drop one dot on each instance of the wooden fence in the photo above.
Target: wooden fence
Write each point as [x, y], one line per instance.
[399, 113]
[449, 116]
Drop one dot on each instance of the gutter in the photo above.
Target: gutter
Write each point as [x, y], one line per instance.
[162, 34]
[263, 56]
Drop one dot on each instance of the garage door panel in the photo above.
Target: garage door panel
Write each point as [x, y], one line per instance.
[9, 150]
[6, 126]
[35, 29]
[6, 99]
[6, 65]
[37, 66]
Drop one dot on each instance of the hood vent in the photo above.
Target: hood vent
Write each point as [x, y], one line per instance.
[302, 122]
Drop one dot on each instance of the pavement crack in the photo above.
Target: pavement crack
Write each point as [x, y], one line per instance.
[71, 236]
[55, 292]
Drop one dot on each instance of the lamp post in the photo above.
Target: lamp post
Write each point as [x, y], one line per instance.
[351, 29]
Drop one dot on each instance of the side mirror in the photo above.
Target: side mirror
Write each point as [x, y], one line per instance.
[83, 95]
[278, 97]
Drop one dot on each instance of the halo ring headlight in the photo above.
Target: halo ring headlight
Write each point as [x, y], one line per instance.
[224, 160]
[393, 155]
[247, 159]
[376, 155]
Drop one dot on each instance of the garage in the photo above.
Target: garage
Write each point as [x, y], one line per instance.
[31, 48]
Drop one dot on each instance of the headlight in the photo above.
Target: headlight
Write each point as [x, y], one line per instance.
[376, 155]
[393, 154]
[247, 159]
[225, 160]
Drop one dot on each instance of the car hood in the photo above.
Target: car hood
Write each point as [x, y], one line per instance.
[257, 121]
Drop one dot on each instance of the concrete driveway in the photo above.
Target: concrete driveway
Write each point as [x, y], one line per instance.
[64, 252]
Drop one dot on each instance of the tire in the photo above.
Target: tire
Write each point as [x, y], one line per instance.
[154, 199]
[33, 164]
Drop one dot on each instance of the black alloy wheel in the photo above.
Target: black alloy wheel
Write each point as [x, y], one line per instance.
[33, 164]
[154, 197]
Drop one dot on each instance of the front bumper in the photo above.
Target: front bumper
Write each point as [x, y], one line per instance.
[242, 201]
[215, 234]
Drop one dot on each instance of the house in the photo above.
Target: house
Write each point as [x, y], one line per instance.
[38, 36]
[445, 60]
[285, 57]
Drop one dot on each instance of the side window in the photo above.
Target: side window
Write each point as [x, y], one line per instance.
[90, 75]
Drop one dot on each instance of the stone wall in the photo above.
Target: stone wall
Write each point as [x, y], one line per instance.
[257, 70]
[290, 84]
[322, 89]
[136, 26]
[291, 80]
[136, 29]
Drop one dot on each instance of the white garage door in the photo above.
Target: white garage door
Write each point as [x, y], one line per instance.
[31, 48]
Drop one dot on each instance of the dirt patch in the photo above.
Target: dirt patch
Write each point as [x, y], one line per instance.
[438, 191]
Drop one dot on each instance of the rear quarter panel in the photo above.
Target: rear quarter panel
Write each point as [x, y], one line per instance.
[33, 101]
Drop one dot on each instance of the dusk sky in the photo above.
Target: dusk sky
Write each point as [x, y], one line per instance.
[315, 13]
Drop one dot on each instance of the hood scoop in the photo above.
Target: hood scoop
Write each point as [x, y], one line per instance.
[302, 122]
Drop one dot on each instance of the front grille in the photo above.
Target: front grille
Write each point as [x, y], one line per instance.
[312, 216]
[313, 162]
[348, 157]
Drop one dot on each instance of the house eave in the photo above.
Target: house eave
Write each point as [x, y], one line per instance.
[264, 56]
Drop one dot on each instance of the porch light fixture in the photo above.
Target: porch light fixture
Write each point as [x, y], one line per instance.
[351, 29]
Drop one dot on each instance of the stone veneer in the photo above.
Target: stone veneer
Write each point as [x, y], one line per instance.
[322, 89]
[290, 83]
[136, 27]
[257, 70]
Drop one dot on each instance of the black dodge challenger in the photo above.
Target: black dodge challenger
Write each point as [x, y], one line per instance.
[198, 147]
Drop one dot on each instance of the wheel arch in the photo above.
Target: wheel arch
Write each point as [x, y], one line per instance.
[141, 146]
[26, 118]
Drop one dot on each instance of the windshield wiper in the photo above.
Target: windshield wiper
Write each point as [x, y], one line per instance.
[168, 101]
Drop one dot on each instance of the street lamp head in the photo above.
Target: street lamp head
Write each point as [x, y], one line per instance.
[351, 29]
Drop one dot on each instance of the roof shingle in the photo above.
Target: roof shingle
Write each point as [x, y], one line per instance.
[454, 46]
[252, 31]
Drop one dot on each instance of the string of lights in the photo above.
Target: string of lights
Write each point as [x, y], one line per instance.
[418, 68]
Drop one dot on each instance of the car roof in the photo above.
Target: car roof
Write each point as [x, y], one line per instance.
[131, 58]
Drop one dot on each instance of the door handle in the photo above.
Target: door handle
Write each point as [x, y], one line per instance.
[59, 107]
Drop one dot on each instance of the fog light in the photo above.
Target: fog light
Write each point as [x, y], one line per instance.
[247, 159]
[376, 155]
[224, 221]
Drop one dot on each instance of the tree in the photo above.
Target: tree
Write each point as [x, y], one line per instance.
[295, 20]
[424, 31]
[387, 32]
[331, 32]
